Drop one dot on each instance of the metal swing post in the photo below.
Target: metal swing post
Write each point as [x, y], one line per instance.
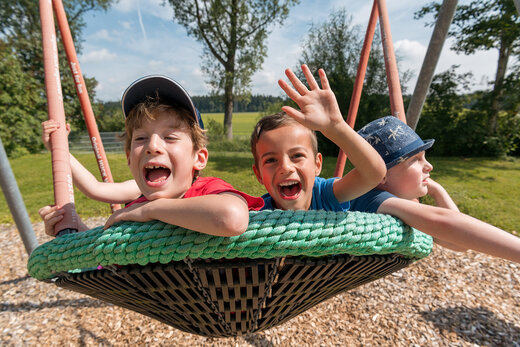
[14, 200]
[358, 84]
[81, 90]
[440, 31]
[61, 172]
[379, 9]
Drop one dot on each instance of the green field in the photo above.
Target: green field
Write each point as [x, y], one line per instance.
[243, 122]
[487, 189]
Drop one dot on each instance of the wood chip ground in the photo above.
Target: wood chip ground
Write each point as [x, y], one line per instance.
[447, 299]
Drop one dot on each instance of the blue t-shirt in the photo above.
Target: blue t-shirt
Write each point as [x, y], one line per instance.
[322, 197]
[370, 201]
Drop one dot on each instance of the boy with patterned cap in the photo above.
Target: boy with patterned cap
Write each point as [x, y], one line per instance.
[165, 145]
[408, 178]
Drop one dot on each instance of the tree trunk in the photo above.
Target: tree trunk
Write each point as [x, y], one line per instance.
[503, 57]
[228, 110]
[230, 72]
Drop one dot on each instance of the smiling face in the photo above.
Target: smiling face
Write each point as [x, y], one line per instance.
[409, 179]
[162, 158]
[286, 166]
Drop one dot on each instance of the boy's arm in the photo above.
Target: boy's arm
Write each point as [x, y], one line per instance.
[454, 228]
[224, 214]
[86, 182]
[319, 110]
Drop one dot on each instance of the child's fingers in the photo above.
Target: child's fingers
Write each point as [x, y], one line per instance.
[51, 215]
[45, 210]
[294, 113]
[310, 78]
[114, 218]
[324, 80]
[298, 85]
[288, 90]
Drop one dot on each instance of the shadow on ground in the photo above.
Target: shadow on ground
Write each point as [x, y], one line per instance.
[31, 306]
[475, 325]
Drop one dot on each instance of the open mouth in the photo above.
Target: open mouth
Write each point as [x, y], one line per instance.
[290, 189]
[156, 173]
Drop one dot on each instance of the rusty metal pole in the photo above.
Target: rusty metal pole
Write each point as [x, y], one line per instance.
[392, 75]
[81, 90]
[358, 84]
[61, 172]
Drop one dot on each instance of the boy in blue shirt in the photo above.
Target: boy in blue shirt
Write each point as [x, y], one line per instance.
[287, 161]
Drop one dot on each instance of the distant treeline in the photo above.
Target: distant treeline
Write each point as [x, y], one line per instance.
[253, 103]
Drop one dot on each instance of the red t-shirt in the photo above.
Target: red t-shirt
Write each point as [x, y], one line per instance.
[213, 185]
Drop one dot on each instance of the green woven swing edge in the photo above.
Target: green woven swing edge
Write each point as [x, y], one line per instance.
[270, 234]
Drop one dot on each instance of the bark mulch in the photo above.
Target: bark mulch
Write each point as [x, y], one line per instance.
[447, 299]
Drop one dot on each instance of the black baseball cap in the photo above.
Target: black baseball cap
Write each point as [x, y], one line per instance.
[167, 89]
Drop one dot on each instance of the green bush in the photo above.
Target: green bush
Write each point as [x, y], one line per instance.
[459, 122]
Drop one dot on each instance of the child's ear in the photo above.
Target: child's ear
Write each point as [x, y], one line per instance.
[128, 158]
[201, 159]
[319, 163]
[258, 175]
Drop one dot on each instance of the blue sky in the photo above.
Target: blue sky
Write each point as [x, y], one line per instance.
[138, 37]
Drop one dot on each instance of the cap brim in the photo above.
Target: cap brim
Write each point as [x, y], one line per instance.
[165, 88]
[427, 144]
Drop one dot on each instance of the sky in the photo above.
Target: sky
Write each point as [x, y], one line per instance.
[139, 37]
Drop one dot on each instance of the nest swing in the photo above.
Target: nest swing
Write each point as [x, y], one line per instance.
[285, 263]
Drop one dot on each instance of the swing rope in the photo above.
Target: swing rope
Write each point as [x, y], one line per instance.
[270, 234]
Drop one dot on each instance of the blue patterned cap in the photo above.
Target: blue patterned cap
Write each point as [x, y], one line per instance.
[393, 140]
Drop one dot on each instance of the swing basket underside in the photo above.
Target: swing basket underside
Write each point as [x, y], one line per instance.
[230, 297]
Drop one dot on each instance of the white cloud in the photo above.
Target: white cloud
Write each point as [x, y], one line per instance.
[126, 25]
[102, 55]
[102, 35]
[411, 53]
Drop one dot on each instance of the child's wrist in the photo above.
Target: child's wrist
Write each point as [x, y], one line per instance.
[336, 131]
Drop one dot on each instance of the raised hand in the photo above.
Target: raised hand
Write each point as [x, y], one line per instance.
[319, 109]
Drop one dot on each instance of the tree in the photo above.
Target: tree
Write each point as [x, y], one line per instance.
[485, 25]
[233, 33]
[20, 35]
[21, 106]
[335, 45]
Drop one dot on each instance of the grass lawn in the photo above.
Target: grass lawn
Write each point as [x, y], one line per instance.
[243, 122]
[487, 189]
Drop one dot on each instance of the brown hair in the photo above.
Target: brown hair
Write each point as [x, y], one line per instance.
[150, 109]
[275, 121]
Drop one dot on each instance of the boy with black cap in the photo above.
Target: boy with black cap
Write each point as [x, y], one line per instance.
[408, 178]
[166, 149]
